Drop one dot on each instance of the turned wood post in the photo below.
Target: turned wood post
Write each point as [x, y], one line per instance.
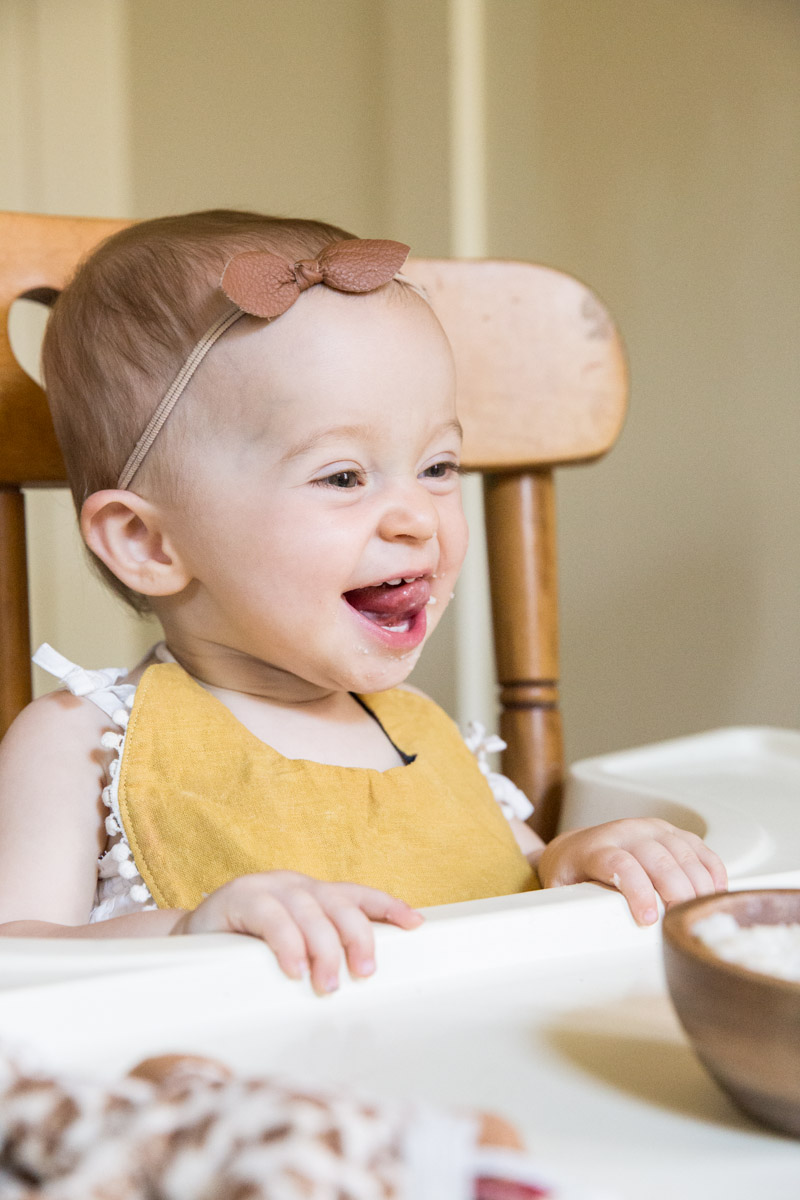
[520, 522]
[15, 668]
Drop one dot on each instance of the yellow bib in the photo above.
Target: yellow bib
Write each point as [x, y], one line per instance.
[203, 801]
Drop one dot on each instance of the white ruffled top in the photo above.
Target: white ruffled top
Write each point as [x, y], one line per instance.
[120, 887]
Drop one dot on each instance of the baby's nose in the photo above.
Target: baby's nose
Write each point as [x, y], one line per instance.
[410, 513]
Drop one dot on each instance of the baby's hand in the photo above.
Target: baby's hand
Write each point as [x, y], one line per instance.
[639, 857]
[304, 921]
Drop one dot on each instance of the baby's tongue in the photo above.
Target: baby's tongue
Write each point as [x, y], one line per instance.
[387, 605]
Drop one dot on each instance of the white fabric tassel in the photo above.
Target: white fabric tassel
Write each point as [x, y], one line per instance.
[511, 799]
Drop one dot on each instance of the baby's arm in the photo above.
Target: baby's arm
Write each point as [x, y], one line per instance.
[51, 817]
[52, 828]
[642, 857]
[52, 831]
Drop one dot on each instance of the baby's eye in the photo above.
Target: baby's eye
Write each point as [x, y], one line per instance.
[341, 479]
[441, 470]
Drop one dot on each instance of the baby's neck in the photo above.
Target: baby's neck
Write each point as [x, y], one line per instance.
[315, 724]
[223, 669]
[336, 731]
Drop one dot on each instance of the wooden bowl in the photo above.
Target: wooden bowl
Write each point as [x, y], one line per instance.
[744, 1026]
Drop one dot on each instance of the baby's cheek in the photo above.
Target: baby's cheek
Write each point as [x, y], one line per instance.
[441, 594]
[454, 540]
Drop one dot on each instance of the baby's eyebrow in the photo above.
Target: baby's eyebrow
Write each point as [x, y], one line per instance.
[322, 435]
[356, 431]
[453, 426]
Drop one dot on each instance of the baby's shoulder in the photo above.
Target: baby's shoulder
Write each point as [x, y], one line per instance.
[57, 725]
[53, 768]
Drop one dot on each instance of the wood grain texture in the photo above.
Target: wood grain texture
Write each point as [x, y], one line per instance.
[542, 378]
[521, 540]
[35, 252]
[15, 664]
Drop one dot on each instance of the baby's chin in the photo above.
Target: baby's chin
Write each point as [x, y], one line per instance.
[377, 672]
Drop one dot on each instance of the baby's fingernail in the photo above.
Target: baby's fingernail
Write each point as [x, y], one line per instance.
[330, 984]
[298, 970]
[366, 966]
[650, 916]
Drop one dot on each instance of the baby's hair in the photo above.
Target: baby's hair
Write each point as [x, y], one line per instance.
[121, 329]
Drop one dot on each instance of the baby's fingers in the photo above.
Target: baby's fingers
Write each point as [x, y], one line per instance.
[322, 941]
[711, 861]
[267, 918]
[351, 908]
[628, 876]
[685, 853]
[380, 906]
[675, 870]
[355, 934]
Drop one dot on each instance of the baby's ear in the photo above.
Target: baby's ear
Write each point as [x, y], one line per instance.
[127, 533]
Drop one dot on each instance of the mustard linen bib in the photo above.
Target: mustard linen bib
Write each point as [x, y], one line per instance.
[203, 801]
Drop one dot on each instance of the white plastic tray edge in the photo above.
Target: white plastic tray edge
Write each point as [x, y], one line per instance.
[612, 785]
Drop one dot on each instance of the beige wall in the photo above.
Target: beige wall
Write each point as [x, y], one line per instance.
[63, 149]
[654, 150]
[651, 149]
[273, 105]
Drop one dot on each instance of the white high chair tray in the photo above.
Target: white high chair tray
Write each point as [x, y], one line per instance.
[739, 788]
[548, 1008]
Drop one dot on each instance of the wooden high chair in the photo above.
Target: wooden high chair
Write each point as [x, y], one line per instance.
[541, 383]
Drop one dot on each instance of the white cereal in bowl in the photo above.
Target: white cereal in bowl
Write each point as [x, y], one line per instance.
[769, 949]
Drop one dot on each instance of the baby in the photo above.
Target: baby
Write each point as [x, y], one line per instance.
[259, 425]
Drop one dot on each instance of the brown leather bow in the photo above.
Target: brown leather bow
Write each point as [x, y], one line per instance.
[265, 285]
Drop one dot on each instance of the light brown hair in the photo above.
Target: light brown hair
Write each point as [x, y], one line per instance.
[122, 328]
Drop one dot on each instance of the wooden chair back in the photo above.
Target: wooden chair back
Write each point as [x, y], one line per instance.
[542, 383]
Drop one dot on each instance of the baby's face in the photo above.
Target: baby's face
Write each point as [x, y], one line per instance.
[330, 530]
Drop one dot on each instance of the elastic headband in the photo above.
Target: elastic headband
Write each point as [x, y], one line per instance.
[262, 284]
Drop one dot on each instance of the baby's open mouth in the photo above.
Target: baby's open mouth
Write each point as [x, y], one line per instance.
[392, 605]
